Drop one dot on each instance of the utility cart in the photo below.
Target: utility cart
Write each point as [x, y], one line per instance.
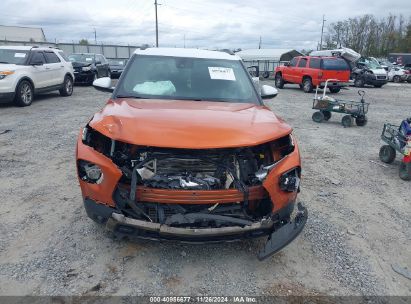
[397, 139]
[354, 110]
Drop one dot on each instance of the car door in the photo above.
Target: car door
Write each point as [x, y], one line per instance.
[300, 70]
[40, 74]
[100, 66]
[56, 67]
[289, 70]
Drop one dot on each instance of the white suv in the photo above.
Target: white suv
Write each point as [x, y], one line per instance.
[28, 70]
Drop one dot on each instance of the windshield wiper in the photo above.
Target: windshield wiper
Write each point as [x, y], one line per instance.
[131, 96]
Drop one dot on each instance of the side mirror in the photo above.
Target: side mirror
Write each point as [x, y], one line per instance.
[103, 84]
[98, 62]
[287, 64]
[36, 63]
[268, 92]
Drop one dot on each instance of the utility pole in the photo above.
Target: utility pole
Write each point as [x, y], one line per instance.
[259, 44]
[95, 36]
[155, 5]
[322, 33]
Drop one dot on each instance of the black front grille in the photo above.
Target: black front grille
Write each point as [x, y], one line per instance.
[381, 77]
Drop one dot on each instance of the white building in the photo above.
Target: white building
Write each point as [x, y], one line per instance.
[20, 33]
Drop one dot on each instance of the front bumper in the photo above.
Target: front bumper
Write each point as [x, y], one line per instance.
[7, 97]
[83, 77]
[375, 79]
[280, 232]
[335, 84]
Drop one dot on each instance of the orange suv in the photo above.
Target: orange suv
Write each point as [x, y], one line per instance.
[312, 71]
[186, 150]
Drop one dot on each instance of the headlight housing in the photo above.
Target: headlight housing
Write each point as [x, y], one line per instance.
[86, 69]
[89, 172]
[3, 74]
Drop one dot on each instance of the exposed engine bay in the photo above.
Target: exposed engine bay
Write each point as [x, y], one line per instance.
[193, 170]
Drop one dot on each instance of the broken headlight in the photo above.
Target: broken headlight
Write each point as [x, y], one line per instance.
[89, 172]
[290, 181]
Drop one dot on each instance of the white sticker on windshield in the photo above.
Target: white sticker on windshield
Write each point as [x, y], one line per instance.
[221, 73]
[20, 55]
[89, 59]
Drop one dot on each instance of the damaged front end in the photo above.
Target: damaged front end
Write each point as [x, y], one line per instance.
[193, 195]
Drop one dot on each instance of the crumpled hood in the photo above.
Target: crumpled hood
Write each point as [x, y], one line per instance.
[188, 124]
[77, 64]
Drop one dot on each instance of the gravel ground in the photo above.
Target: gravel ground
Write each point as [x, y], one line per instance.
[358, 227]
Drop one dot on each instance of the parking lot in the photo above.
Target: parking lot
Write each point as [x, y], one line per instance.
[358, 228]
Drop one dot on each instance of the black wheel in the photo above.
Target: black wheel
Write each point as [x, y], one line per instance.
[387, 154]
[346, 121]
[266, 74]
[405, 171]
[318, 116]
[327, 115]
[24, 94]
[396, 78]
[361, 121]
[308, 85]
[301, 86]
[279, 81]
[67, 88]
[335, 90]
[359, 82]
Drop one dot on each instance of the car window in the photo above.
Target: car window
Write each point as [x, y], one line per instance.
[86, 58]
[51, 57]
[315, 63]
[64, 56]
[302, 63]
[293, 62]
[187, 79]
[13, 56]
[38, 57]
[100, 58]
[336, 64]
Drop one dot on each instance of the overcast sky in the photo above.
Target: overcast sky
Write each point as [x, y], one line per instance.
[210, 24]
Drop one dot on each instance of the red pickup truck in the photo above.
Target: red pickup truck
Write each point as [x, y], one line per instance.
[310, 71]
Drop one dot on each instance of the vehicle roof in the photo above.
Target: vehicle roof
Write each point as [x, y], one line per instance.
[85, 54]
[27, 48]
[190, 53]
[322, 57]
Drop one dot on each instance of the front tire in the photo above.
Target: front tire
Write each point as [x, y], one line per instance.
[279, 81]
[361, 121]
[346, 121]
[396, 79]
[405, 171]
[359, 82]
[387, 154]
[67, 88]
[327, 115]
[318, 117]
[308, 85]
[24, 94]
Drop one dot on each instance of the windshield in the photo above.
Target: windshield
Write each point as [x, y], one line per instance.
[89, 58]
[187, 78]
[117, 62]
[370, 63]
[13, 56]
